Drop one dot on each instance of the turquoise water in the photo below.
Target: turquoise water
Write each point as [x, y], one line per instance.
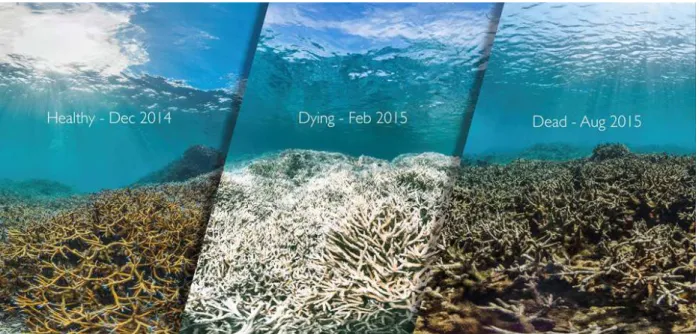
[179, 63]
[410, 67]
[593, 60]
[417, 64]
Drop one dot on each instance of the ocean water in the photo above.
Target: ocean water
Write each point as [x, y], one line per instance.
[174, 67]
[414, 63]
[593, 60]
[636, 62]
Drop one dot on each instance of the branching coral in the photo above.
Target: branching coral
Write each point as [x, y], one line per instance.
[314, 242]
[20, 210]
[591, 245]
[120, 263]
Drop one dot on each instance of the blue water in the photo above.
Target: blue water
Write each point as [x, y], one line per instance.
[332, 59]
[418, 63]
[589, 59]
[182, 59]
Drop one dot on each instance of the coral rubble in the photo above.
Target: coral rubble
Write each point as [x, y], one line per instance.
[604, 244]
[316, 242]
[120, 261]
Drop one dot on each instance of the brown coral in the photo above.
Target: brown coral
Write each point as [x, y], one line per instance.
[121, 263]
[587, 245]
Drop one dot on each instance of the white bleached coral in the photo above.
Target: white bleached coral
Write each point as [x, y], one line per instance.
[311, 242]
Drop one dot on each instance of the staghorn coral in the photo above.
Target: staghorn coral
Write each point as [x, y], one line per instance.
[120, 262]
[603, 244]
[18, 213]
[315, 242]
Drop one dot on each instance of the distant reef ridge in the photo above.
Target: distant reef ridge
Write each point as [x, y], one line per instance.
[33, 188]
[196, 160]
[559, 151]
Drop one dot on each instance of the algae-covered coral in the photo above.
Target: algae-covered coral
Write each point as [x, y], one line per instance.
[316, 242]
[117, 261]
[594, 245]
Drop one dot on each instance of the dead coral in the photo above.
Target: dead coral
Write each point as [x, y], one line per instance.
[609, 151]
[584, 246]
[120, 263]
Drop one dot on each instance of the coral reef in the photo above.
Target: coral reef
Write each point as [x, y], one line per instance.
[121, 261]
[609, 151]
[33, 188]
[604, 244]
[542, 151]
[195, 161]
[551, 151]
[23, 202]
[316, 242]
[20, 212]
[10, 324]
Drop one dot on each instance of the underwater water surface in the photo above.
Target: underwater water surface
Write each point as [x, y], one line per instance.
[174, 67]
[413, 63]
[634, 61]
